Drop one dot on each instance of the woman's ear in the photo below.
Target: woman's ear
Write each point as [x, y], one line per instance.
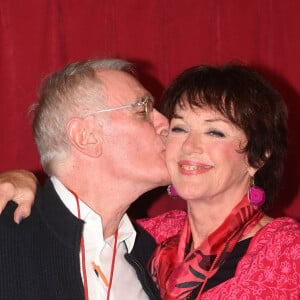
[252, 170]
[86, 136]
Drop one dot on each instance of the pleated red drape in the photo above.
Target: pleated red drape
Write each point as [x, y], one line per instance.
[163, 37]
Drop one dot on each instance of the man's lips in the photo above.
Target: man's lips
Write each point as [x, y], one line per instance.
[193, 168]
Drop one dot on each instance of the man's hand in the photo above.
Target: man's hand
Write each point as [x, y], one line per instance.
[20, 186]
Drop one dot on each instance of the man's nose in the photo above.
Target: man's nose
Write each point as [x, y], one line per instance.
[160, 123]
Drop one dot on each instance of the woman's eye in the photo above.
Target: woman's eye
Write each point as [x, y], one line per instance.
[216, 133]
[177, 129]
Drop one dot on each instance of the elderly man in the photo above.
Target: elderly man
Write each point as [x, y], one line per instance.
[101, 141]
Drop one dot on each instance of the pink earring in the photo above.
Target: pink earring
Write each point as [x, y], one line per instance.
[172, 192]
[256, 195]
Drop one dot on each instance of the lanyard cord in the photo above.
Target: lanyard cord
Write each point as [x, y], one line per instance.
[112, 264]
[99, 272]
[96, 268]
[85, 284]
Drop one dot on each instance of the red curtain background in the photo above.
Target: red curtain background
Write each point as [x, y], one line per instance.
[162, 37]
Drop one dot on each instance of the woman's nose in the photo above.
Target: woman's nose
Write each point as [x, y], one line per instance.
[192, 144]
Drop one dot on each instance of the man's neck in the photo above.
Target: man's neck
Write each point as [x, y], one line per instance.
[110, 225]
[109, 203]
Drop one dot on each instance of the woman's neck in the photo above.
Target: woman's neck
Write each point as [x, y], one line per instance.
[206, 216]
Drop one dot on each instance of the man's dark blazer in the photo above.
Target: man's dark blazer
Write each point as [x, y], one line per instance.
[39, 259]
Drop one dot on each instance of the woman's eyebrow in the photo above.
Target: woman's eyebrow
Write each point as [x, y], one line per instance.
[177, 116]
[217, 120]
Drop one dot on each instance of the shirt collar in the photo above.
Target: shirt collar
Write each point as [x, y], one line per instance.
[126, 231]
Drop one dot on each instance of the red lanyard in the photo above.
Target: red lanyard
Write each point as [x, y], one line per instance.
[99, 272]
[96, 268]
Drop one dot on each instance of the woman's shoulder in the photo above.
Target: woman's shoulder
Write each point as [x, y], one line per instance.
[282, 226]
[282, 231]
[165, 225]
[270, 268]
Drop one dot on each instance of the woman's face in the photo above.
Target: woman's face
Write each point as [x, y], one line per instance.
[203, 155]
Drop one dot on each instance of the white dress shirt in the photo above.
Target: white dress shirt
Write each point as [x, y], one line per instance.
[125, 284]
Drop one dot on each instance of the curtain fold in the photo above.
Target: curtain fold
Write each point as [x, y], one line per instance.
[163, 38]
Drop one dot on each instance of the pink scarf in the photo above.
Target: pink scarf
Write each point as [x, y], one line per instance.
[178, 271]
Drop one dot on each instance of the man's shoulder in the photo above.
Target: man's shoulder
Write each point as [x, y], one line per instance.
[143, 238]
[49, 219]
[7, 216]
[7, 223]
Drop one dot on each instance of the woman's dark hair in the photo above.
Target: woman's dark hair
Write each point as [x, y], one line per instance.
[250, 103]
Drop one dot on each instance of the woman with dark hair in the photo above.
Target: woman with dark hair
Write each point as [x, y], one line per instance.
[225, 153]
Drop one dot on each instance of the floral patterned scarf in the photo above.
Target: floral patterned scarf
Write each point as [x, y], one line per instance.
[181, 273]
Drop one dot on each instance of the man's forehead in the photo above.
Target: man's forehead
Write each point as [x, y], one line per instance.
[115, 75]
[121, 87]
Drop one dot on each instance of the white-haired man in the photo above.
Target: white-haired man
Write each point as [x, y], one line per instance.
[101, 142]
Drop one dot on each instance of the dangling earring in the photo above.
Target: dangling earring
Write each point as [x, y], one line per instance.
[172, 192]
[256, 195]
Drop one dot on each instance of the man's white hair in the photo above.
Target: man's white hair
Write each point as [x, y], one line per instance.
[73, 91]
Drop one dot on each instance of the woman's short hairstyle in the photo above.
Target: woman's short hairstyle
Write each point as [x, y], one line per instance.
[250, 103]
[71, 92]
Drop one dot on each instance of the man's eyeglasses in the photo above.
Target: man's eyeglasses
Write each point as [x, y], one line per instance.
[147, 102]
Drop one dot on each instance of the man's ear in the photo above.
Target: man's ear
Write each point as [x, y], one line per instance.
[86, 136]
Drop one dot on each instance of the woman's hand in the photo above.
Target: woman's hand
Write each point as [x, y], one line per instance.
[19, 186]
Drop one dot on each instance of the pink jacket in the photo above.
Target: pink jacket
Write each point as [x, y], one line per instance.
[270, 269]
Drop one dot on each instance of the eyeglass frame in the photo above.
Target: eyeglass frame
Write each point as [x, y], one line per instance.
[126, 106]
